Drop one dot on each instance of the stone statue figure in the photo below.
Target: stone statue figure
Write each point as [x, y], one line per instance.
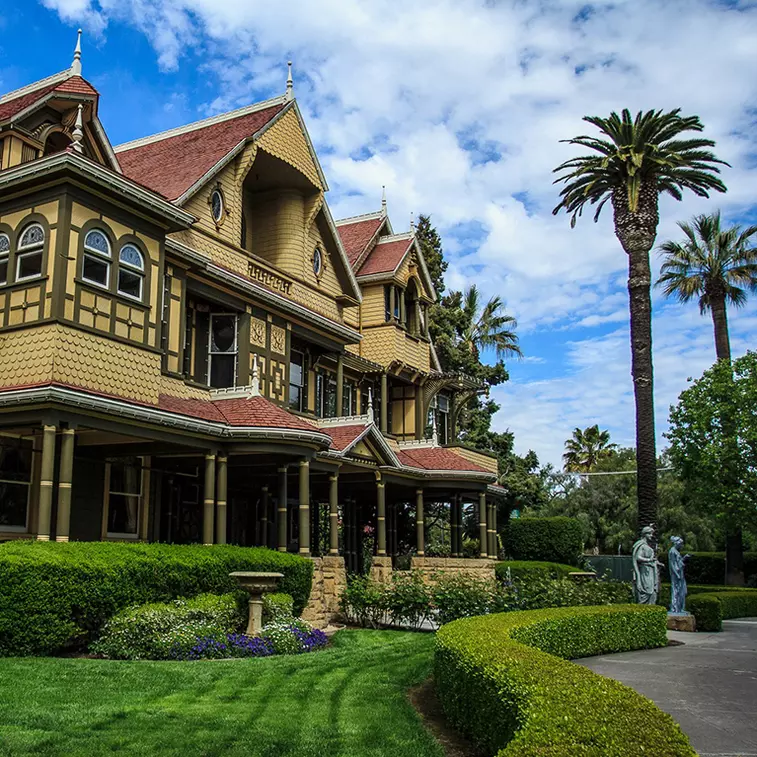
[676, 565]
[646, 576]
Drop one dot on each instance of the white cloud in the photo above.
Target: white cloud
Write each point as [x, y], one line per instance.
[458, 106]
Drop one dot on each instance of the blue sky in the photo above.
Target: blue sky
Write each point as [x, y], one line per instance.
[457, 106]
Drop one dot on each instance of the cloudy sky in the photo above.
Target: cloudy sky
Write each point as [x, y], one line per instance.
[458, 107]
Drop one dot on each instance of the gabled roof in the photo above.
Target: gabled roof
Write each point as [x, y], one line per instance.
[358, 232]
[173, 161]
[438, 459]
[387, 255]
[20, 100]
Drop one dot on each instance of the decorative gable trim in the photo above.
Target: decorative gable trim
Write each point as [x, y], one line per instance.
[356, 292]
[34, 86]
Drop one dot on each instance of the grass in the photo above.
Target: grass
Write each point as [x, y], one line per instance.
[350, 699]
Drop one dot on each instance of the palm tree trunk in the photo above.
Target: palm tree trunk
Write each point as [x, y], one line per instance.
[734, 546]
[720, 323]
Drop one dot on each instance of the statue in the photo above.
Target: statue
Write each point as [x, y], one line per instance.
[646, 576]
[676, 565]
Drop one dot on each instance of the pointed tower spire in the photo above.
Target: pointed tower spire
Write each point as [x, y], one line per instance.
[78, 132]
[383, 199]
[370, 405]
[76, 65]
[412, 222]
[289, 95]
[434, 433]
[255, 391]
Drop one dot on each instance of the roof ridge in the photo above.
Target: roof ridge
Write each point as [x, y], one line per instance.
[203, 123]
[405, 236]
[29, 88]
[362, 217]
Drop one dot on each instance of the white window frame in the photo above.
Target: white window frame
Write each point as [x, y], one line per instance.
[301, 385]
[5, 255]
[28, 484]
[218, 192]
[212, 352]
[131, 269]
[100, 257]
[25, 251]
[108, 493]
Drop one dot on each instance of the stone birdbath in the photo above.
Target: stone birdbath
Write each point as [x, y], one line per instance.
[256, 584]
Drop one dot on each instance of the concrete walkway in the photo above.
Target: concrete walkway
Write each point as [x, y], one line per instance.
[709, 685]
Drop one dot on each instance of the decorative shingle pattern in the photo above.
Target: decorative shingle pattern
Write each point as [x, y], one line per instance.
[77, 85]
[355, 236]
[343, 436]
[28, 356]
[10, 108]
[195, 408]
[172, 165]
[385, 257]
[437, 458]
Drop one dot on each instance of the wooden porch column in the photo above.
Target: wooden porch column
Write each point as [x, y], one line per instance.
[65, 477]
[46, 483]
[380, 518]
[490, 530]
[384, 416]
[483, 532]
[420, 421]
[334, 514]
[339, 385]
[420, 536]
[304, 509]
[264, 516]
[209, 499]
[495, 551]
[455, 511]
[281, 511]
[221, 488]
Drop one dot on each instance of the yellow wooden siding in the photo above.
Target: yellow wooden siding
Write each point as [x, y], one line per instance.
[485, 461]
[373, 309]
[384, 344]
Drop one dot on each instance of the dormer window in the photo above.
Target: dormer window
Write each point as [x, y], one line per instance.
[97, 258]
[29, 256]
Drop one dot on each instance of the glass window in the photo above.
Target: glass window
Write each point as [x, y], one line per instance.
[387, 308]
[216, 205]
[29, 257]
[15, 478]
[223, 350]
[397, 302]
[348, 398]
[130, 272]
[317, 261]
[296, 380]
[330, 403]
[124, 496]
[5, 247]
[96, 263]
[442, 422]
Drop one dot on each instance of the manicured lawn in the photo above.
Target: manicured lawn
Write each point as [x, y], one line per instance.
[347, 700]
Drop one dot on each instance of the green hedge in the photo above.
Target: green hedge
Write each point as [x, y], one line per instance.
[710, 610]
[663, 598]
[549, 539]
[525, 569]
[501, 682]
[709, 567]
[55, 595]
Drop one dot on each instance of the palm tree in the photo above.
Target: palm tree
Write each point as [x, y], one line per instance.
[586, 448]
[487, 327]
[632, 164]
[717, 265]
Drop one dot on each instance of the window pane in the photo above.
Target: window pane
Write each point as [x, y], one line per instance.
[295, 397]
[223, 333]
[97, 241]
[95, 270]
[222, 370]
[4, 270]
[32, 235]
[125, 478]
[443, 403]
[130, 284]
[13, 504]
[216, 202]
[123, 514]
[29, 265]
[131, 256]
[16, 462]
[5, 244]
[330, 398]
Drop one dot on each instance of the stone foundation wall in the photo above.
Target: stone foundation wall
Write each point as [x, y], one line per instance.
[329, 581]
[482, 569]
[381, 570]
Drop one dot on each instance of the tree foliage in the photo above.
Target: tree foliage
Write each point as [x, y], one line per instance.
[586, 448]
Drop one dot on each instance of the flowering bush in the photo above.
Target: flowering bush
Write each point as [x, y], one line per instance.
[292, 636]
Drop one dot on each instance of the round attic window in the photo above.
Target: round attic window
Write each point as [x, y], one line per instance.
[317, 261]
[216, 205]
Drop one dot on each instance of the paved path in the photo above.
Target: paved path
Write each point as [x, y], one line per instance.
[709, 685]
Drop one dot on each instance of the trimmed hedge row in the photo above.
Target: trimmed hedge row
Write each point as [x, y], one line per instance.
[56, 595]
[550, 539]
[710, 610]
[525, 569]
[709, 567]
[501, 681]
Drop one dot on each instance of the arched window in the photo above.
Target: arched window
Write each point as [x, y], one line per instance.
[97, 258]
[56, 142]
[29, 256]
[5, 249]
[131, 272]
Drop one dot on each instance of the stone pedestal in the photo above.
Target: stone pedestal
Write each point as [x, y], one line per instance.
[329, 581]
[256, 584]
[684, 621]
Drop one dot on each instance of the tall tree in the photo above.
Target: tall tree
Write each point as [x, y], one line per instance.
[431, 246]
[715, 264]
[487, 327]
[632, 164]
[586, 448]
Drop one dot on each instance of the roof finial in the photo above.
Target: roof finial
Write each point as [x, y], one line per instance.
[289, 95]
[255, 391]
[78, 132]
[76, 65]
[434, 433]
[412, 221]
[370, 405]
[383, 199]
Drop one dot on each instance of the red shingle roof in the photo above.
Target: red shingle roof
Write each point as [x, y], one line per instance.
[77, 85]
[173, 164]
[355, 236]
[343, 436]
[437, 458]
[385, 257]
[253, 411]
[74, 84]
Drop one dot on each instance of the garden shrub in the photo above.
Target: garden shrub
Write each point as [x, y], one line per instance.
[550, 539]
[525, 569]
[710, 610]
[277, 606]
[364, 602]
[408, 599]
[461, 596]
[709, 567]
[54, 595]
[505, 681]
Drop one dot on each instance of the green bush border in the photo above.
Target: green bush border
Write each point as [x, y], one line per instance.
[502, 682]
[556, 539]
[55, 595]
[712, 608]
[524, 569]
[709, 567]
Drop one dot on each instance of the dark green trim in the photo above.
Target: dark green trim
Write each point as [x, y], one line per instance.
[243, 349]
[60, 269]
